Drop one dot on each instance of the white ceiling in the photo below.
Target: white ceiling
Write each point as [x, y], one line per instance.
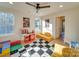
[22, 7]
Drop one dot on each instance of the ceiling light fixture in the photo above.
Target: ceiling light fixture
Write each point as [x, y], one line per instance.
[60, 5]
[11, 3]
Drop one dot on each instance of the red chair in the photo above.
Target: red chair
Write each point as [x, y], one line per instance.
[29, 39]
[32, 37]
[26, 39]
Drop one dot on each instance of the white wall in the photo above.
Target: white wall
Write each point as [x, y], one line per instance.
[18, 23]
[71, 23]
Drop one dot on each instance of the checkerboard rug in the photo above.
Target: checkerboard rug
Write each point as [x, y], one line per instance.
[39, 48]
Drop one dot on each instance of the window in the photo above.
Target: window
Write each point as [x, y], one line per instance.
[38, 25]
[6, 23]
[47, 23]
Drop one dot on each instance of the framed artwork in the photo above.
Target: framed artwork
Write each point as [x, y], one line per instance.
[26, 22]
[47, 23]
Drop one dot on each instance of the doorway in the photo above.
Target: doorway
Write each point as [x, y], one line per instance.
[60, 27]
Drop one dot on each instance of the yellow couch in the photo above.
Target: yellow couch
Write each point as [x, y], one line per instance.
[64, 51]
[46, 36]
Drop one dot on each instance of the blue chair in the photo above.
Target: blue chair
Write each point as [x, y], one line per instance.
[74, 44]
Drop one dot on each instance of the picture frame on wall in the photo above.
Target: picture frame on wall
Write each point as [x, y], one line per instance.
[26, 22]
[47, 23]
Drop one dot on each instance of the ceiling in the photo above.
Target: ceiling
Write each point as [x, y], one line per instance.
[22, 7]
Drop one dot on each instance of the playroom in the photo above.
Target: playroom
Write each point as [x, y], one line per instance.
[39, 29]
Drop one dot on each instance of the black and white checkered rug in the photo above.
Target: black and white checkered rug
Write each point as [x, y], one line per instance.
[39, 48]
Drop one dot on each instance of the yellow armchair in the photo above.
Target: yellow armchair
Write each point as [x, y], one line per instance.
[70, 52]
[58, 50]
[46, 36]
[64, 51]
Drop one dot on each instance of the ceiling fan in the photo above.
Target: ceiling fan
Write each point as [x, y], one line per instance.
[37, 6]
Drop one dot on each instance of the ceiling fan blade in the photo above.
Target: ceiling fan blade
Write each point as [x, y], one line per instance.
[30, 4]
[45, 6]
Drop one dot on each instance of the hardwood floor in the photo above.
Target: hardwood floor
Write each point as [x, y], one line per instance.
[58, 41]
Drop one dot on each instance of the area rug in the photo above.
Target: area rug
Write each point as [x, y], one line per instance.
[39, 48]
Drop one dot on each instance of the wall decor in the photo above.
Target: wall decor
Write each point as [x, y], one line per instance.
[26, 22]
[47, 23]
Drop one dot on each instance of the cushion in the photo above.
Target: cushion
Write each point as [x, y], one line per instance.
[5, 52]
[15, 42]
[47, 34]
[18, 46]
[0, 50]
[58, 48]
[69, 52]
[26, 38]
[32, 36]
[5, 44]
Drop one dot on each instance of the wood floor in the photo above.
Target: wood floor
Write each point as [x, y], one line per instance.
[58, 41]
